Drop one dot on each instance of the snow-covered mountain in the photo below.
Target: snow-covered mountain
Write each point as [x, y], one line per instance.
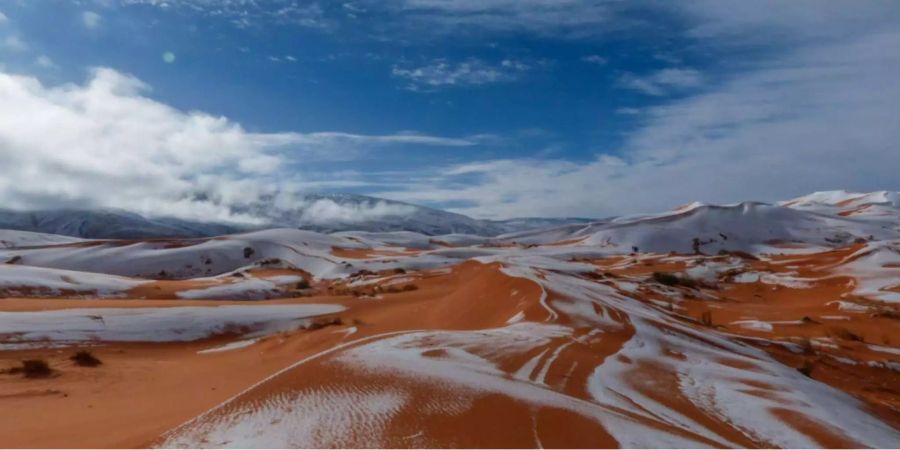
[317, 212]
[108, 224]
[820, 219]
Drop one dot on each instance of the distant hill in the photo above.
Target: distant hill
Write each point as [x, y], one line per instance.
[317, 212]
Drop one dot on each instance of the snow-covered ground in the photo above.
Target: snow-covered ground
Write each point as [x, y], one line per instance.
[38, 281]
[704, 326]
[168, 324]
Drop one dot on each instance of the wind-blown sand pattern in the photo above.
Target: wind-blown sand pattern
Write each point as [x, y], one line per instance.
[780, 336]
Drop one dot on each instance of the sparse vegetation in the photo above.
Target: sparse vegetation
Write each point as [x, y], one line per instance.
[706, 318]
[34, 368]
[845, 334]
[398, 289]
[807, 368]
[248, 252]
[738, 253]
[807, 346]
[85, 358]
[665, 278]
[886, 312]
[302, 284]
[320, 323]
[593, 275]
[669, 279]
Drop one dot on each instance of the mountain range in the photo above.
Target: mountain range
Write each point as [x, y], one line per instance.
[316, 212]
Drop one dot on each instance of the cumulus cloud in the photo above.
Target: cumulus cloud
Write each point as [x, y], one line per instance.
[106, 144]
[90, 19]
[472, 72]
[663, 82]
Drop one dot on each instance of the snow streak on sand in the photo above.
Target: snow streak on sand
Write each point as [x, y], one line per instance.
[152, 324]
[24, 280]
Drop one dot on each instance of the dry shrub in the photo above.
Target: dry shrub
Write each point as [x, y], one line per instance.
[318, 324]
[807, 368]
[845, 334]
[85, 358]
[669, 279]
[34, 368]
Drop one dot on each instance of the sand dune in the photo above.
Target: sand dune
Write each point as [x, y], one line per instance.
[562, 338]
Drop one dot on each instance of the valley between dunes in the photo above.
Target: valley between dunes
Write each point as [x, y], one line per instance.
[684, 329]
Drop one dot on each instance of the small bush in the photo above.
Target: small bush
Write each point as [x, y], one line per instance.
[593, 275]
[665, 278]
[845, 334]
[739, 254]
[398, 289]
[85, 358]
[886, 312]
[706, 318]
[325, 322]
[399, 271]
[35, 368]
[302, 284]
[669, 279]
[248, 252]
[806, 368]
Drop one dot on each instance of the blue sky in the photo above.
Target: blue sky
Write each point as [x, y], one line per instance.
[491, 108]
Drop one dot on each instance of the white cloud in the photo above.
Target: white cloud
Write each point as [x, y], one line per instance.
[329, 212]
[105, 144]
[571, 18]
[816, 116]
[45, 62]
[248, 13]
[663, 82]
[472, 72]
[595, 59]
[3, 18]
[13, 43]
[90, 19]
